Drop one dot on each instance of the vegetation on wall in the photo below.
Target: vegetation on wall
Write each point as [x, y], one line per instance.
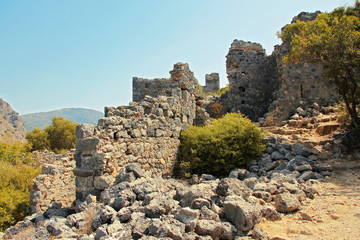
[228, 143]
[17, 170]
[57, 137]
[333, 40]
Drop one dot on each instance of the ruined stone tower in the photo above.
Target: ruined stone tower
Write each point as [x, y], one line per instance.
[252, 79]
[212, 83]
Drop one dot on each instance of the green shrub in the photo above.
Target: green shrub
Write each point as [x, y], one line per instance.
[228, 143]
[16, 174]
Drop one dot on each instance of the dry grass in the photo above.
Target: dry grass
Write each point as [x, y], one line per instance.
[85, 227]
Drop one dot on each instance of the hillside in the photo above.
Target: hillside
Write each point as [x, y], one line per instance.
[80, 115]
[12, 127]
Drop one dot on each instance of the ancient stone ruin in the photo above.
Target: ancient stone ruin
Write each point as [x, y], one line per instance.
[146, 132]
[265, 89]
[123, 165]
[212, 83]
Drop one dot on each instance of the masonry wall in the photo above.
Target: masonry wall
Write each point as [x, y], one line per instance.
[212, 83]
[266, 90]
[181, 77]
[55, 186]
[252, 79]
[146, 132]
[299, 84]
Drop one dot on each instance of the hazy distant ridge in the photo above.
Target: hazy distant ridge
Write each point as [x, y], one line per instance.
[43, 119]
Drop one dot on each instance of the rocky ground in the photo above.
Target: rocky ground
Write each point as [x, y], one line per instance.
[305, 186]
[333, 214]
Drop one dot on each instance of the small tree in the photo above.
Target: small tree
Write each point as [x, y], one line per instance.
[38, 139]
[333, 40]
[58, 136]
[61, 134]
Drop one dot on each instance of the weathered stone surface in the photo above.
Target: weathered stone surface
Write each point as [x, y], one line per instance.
[187, 215]
[209, 227]
[327, 129]
[286, 202]
[103, 182]
[228, 186]
[301, 150]
[56, 185]
[242, 214]
[84, 131]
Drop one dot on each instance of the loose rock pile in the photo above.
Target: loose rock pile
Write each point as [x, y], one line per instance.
[139, 206]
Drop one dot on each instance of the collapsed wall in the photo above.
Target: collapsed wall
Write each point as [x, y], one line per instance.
[146, 132]
[55, 186]
[181, 77]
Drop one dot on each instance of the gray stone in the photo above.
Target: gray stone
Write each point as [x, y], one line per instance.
[306, 176]
[124, 215]
[84, 131]
[258, 233]
[52, 169]
[125, 198]
[207, 177]
[209, 227]
[157, 229]
[270, 213]
[56, 227]
[302, 168]
[103, 182]
[136, 169]
[277, 156]
[228, 186]
[238, 174]
[300, 149]
[81, 172]
[100, 232]
[187, 215]
[198, 203]
[266, 196]
[242, 214]
[208, 214]
[286, 202]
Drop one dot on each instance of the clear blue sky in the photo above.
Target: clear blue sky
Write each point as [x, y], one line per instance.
[84, 53]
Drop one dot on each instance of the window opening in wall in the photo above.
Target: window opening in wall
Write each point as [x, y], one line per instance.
[242, 102]
[301, 91]
[241, 89]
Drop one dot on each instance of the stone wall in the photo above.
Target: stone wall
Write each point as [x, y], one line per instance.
[181, 77]
[55, 186]
[265, 89]
[146, 132]
[300, 84]
[252, 79]
[212, 83]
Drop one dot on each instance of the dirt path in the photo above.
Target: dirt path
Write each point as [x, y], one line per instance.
[333, 214]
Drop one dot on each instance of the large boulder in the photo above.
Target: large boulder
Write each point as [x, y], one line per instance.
[241, 213]
[286, 202]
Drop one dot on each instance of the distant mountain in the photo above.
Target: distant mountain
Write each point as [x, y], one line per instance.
[12, 128]
[43, 119]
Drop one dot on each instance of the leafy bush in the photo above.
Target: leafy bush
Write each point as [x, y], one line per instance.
[58, 137]
[38, 139]
[17, 170]
[230, 142]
